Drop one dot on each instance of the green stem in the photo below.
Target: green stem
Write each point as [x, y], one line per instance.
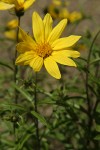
[15, 66]
[6, 65]
[36, 110]
[16, 74]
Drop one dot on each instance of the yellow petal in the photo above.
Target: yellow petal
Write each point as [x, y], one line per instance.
[52, 67]
[27, 62]
[67, 53]
[28, 3]
[19, 60]
[25, 37]
[22, 58]
[57, 31]
[23, 47]
[5, 6]
[38, 28]
[73, 54]
[64, 43]
[61, 58]
[47, 25]
[37, 63]
[8, 1]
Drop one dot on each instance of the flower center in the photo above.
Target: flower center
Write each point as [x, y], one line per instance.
[43, 50]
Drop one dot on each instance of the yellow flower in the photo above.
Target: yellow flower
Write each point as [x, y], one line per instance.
[75, 16]
[10, 34]
[57, 2]
[64, 13]
[47, 49]
[10, 30]
[19, 5]
[53, 11]
[60, 3]
[12, 24]
[58, 12]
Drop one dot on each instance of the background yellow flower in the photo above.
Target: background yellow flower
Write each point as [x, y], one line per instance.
[10, 30]
[12, 24]
[75, 16]
[19, 5]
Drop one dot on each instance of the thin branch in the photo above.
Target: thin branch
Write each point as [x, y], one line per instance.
[6, 65]
[16, 73]
[36, 120]
[15, 66]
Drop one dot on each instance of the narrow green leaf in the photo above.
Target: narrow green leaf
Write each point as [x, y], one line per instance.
[39, 117]
[6, 65]
[24, 138]
[97, 128]
[23, 92]
[95, 61]
[20, 145]
[8, 106]
[7, 142]
[98, 108]
[46, 101]
[97, 137]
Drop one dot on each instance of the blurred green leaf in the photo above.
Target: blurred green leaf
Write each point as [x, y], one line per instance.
[40, 118]
[46, 101]
[23, 140]
[59, 136]
[23, 92]
[95, 61]
[98, 108]
[97, 128]
[97, 137]
[9, 106]
[7, 142]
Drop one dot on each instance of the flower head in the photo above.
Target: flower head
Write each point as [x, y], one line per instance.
[64, 13]
[57, 9]
[60, 3]
[75, 16]
[57, 2]
[19, 5]
[58, 12]
[47, 49]
[10, 30]
[12, 24]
